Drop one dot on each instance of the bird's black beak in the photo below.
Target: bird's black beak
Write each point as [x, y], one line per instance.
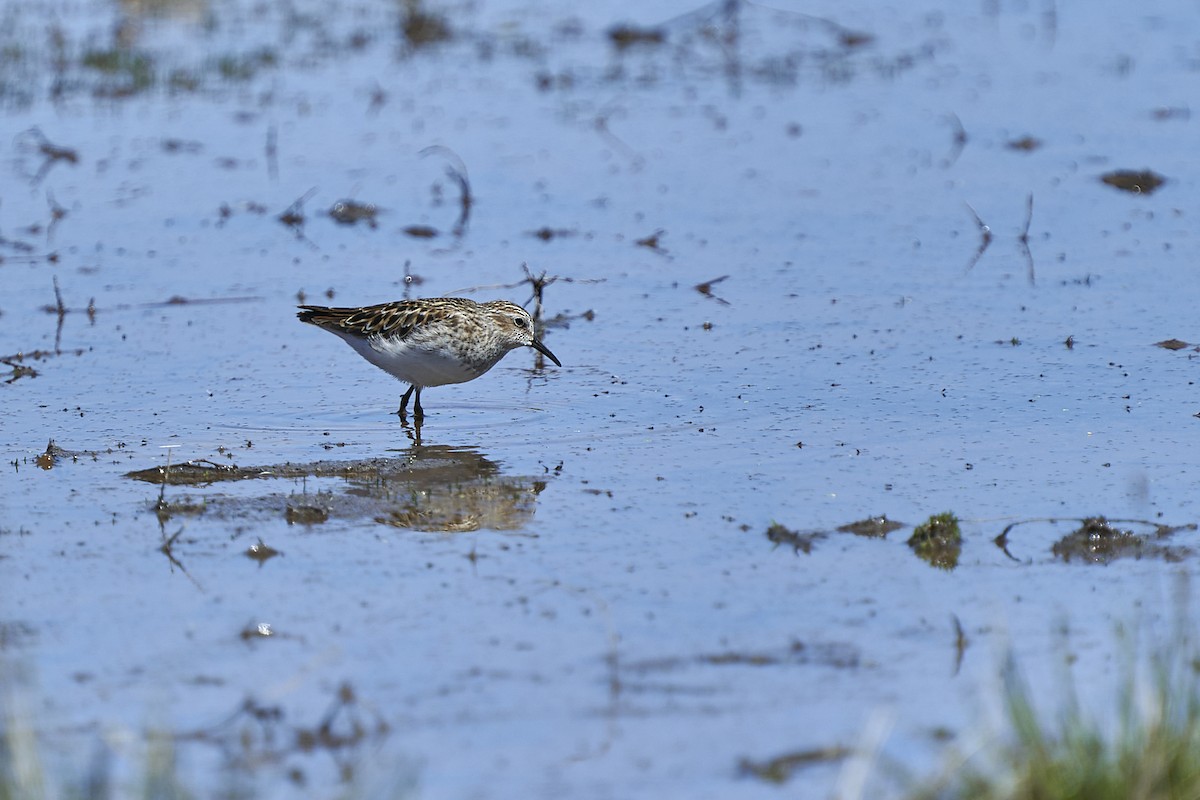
[541, 348]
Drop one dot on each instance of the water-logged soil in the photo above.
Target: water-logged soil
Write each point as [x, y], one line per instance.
[822, 280]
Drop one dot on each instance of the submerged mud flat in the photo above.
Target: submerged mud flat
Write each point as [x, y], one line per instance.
[801, 266]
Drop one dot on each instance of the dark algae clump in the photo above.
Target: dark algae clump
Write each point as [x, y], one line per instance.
[938, 541]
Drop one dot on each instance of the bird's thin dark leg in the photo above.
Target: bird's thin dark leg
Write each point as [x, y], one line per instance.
[418, 412]
[404, 401]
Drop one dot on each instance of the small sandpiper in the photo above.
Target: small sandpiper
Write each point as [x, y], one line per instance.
[433, 341]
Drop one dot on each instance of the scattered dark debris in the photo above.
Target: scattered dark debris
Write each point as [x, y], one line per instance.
[260, 734]
[167, 548]
[600, 125]
[1023, 239]
[539, 284]
[1172, 344]
[48, 459]
[421, 28]
[871, 527]
[960, 642]
[780, 768]
[851, 39]
[410, 280]
[829, 654]
[547, 233]
[54, 455]
[985, 239]
[1069, 342]
[563, 320]
[1137, 182]
[16, 635]
[57, 215]
[379, 98]
[225, 211]
[261, 552]
[938, 541]
[706, 289]
[624, 36]
[18, 370]
[1097, 541]
[959, 143]
[59, 307]
[50, 152]
[778, 534]
[17, 245]
[344, 725]
[184, 506]
[181, 146]
[271, 151]
[1171, 112]
[1025, 144]
[180, 300]
[61, 310]
[651, 242]
[352, 212]
[256, 630]
[421, 231]
[306, 515]
[293, 215]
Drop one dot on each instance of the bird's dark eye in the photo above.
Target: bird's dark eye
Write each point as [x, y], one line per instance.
[519, 322]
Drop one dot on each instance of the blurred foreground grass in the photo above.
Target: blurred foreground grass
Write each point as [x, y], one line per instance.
[1151, 753]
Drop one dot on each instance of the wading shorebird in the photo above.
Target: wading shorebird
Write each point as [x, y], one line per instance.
[431, 342]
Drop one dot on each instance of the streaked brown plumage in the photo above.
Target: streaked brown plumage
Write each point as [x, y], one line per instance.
[433, 341]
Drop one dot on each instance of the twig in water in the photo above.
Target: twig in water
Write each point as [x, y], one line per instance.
[1023, 239]
[456, 170]
[49, 151]
[706, 289]
[959, 141]
[985, 239]
[272, 154]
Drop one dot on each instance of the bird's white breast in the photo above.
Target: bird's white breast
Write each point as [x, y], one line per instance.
[416, 363]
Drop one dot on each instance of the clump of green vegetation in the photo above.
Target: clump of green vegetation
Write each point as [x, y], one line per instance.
[871, 527]
[1097, 541]
[778, 534]
[243, 67]
[1154, 753]
[938, 541]
[127, 71]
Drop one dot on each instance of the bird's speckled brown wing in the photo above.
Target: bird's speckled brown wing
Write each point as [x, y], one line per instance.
[392, 320]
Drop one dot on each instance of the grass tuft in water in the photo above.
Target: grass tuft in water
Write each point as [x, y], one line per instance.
[1154, 753]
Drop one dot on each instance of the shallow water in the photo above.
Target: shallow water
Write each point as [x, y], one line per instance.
[607, 616]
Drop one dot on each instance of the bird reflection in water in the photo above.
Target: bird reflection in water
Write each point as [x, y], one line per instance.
[451, 489]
